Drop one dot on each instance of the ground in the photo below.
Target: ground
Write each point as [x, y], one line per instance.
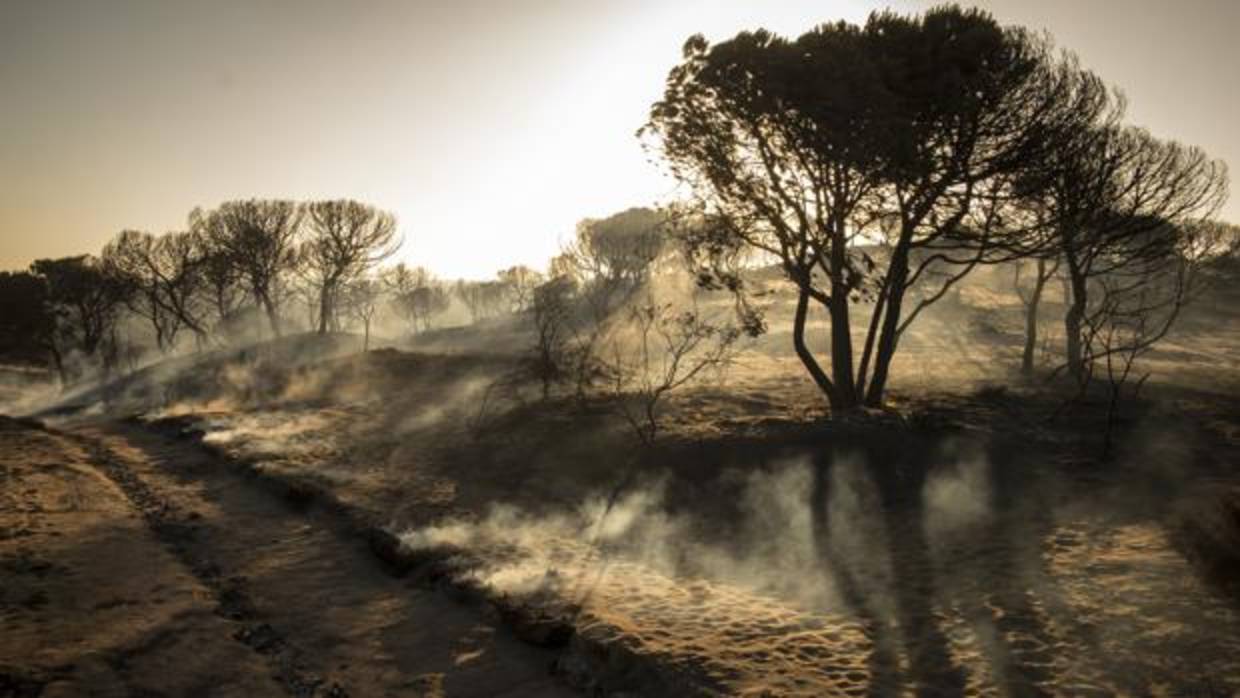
[970, 539]
[136, 566]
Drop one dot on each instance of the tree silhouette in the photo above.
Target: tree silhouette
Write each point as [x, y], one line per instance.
[618, 250]
[166, 277]
[1119, 206]
[258, 238]
[26, 323]
[222, 278]
[607, 263]
[551, 310]
[83, 300]
[1044, 270]
[908, 131]
[520, 281]
[483, 299]
[347, 238]
[361, 299]
[416, 296]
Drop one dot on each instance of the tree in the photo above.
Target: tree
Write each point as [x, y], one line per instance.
[129, 256]
[83, 300]
[1221, 270]
[1031, 300]
[660, 349]
[347, 239]
[1136, 305]
[608, 262]
[430, 302]
[521, 281]
[362, 298]
[551, 310]
[26, 325]
[258, 238]
[611, 258]
[1120, 207]
[908, 131]
[619, 249]
[222, 279]
[483, 299]
[416, 296]
[166, 279]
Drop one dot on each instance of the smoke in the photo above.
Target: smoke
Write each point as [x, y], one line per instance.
[957, 493]
[778, 540]
[23, 389]
[895, 539]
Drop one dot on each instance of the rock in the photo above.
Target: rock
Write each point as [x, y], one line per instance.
[262, 638]
[535, 626]
[388, 547]
[20, 684]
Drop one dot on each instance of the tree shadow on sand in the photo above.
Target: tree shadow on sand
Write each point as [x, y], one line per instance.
[900, 570]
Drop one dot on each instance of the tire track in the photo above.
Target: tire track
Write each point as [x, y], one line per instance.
[177, 530]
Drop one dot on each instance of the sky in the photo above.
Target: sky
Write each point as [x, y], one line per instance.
[488, 128]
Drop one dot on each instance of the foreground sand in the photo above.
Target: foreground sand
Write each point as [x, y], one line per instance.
[1018, 577]
[91, 602]
[134, 566]
[958, 544]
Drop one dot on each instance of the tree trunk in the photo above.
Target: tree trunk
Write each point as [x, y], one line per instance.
[272, 316]
[841, 351]
[1031, 320]
[59, 361]
[889, 333]
[1073, 320]
[807, 357]
[841, 326]
[324, 307]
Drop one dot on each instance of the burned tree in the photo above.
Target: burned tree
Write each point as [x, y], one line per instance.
[131, 257]
[660, 349]
[165, 273]
[361, 299]
[618, 251]
[1122, 209]
[347, 239]
[521, 281]
[483, 299]
[551, 310]
[258, 239]
[429, 302]
[222, 280]
[909, 131]
[84, 300]
[609, 261]
[416, 296]
[1030, 296]
[26, 322]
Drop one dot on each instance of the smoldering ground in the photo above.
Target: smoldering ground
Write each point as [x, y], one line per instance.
[964, 540]
[955, 561]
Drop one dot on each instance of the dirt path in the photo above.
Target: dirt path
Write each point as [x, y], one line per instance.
[133, 565]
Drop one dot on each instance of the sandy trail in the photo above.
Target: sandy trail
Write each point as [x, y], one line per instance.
[222, 590]
[75, 616]
[998, 579]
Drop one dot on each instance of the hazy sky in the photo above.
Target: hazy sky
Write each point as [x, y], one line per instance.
[490, 128]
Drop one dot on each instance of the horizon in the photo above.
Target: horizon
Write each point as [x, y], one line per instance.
[489, 132]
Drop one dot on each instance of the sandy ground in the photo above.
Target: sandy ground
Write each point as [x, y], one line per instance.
[186, 579]
[1003, 565]
[91, 603]
[961, 543]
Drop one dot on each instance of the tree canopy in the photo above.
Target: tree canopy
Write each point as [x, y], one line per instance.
[909, 132]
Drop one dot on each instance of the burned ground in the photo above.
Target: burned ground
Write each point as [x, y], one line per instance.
[969, 539]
